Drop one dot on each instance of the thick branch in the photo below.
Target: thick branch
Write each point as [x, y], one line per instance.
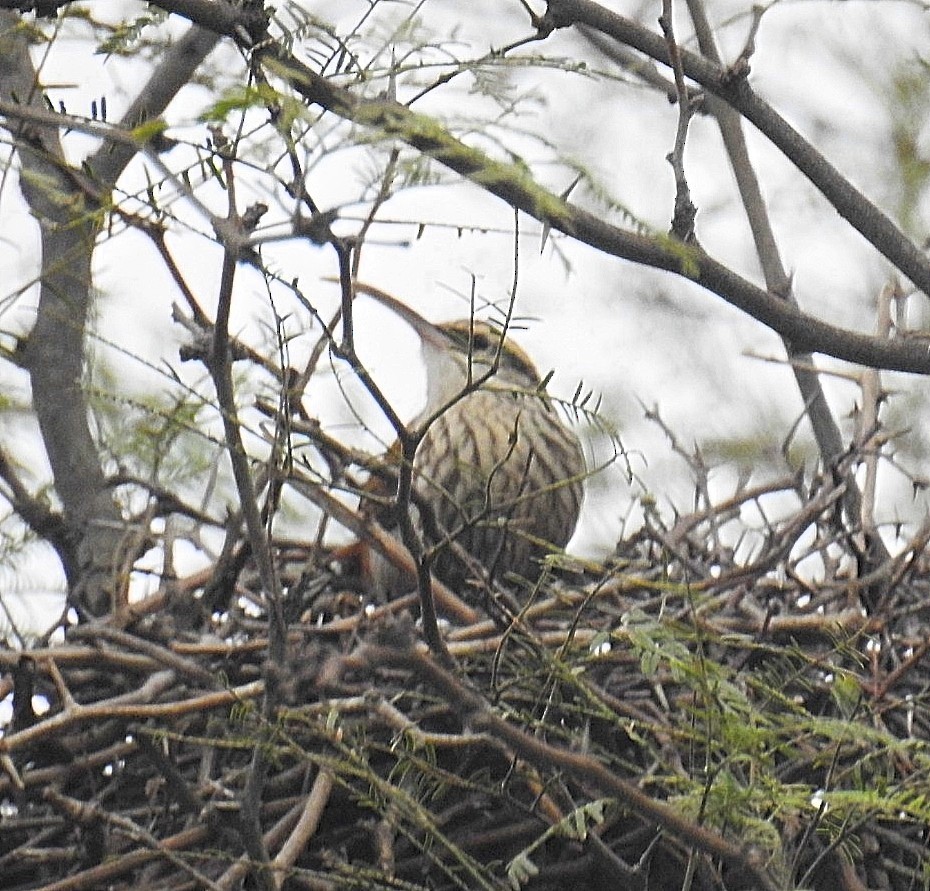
[735, 90]
[54, 351]
[179, 62]
[71, 206]
[515, 186]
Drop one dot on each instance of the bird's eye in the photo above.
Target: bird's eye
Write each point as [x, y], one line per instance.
[477, 341]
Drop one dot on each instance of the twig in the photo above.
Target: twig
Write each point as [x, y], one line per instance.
[685, 211]
[306, 826]
[137, 706]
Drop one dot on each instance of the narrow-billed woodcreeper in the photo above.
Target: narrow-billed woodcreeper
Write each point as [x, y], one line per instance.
[498, 471]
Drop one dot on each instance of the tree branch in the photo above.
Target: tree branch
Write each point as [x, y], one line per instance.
[826, 430]
[734, 89]
[515, 186]
[70, 205]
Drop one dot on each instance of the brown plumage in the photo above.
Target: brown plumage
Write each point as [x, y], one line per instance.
[500, 473]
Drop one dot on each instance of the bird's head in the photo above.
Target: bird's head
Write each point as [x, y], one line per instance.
[455, 352]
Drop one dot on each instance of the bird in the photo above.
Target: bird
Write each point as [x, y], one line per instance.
[496, 471]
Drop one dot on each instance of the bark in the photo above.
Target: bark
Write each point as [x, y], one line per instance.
[70, 204]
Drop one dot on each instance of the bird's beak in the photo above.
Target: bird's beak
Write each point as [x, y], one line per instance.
[429, 334]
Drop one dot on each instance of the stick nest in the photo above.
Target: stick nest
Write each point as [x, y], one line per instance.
[691, 714]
